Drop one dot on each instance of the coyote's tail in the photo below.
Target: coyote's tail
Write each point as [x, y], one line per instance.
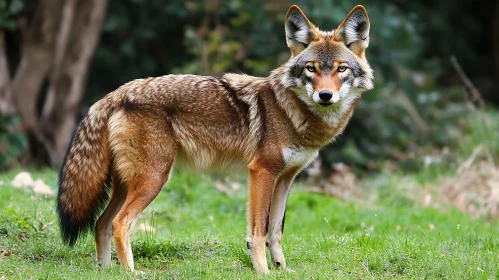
[85, 173]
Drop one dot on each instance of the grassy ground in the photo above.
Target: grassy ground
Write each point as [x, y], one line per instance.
[200, 233]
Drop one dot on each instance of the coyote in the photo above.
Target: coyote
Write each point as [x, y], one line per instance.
[274, 126]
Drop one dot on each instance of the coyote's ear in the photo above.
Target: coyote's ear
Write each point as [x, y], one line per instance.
[354, 31]
[299, 30]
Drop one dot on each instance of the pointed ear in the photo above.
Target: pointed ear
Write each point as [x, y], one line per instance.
[354, 31]
[299, 30]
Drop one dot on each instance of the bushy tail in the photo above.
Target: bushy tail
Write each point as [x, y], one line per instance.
[85, 174]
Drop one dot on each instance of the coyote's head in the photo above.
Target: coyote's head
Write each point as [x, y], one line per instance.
[327, 66]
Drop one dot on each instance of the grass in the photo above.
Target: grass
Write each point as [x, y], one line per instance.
[200, 233]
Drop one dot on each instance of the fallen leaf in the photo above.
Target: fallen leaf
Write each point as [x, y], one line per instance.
[6, 254]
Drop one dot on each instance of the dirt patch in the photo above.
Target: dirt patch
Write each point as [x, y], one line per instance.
[474, 188]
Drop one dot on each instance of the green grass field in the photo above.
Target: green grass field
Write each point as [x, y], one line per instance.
[200, 233]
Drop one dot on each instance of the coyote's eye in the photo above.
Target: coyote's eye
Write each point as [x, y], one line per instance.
[342, 68]
[310, 68]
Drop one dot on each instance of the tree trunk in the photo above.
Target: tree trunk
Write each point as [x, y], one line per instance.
[61, 38]
[67, 82]
[37, 52]
[7, 106]
[495, 48]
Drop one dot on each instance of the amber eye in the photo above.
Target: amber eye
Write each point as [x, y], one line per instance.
[310, 68]
[342, 68]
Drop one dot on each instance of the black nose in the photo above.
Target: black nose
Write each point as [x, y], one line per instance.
[325, 95]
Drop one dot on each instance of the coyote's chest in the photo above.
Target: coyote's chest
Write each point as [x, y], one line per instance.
[298, 157]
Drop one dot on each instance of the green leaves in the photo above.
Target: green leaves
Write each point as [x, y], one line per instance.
[8, 11]
[12, 140]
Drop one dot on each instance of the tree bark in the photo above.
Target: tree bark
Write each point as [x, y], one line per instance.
[37, 51]
[7, 106]
[67, 82]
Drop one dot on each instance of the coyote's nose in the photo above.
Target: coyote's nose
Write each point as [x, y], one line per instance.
[325, 95]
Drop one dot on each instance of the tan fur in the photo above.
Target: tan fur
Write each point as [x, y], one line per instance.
[266, 124]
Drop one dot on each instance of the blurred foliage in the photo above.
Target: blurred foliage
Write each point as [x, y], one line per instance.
[8, 10]
[12, 140]
[480, 131]
[417, 103]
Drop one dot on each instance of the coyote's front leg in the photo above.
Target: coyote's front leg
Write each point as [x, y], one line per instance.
[262, 183]
[276, 219]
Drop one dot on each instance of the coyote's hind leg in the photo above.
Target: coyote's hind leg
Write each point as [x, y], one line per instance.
[142, 190]
[144, 149]
[103, 228]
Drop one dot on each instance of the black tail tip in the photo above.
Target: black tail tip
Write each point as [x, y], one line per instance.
[69, 238]
[69, 234]
[71, 230]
